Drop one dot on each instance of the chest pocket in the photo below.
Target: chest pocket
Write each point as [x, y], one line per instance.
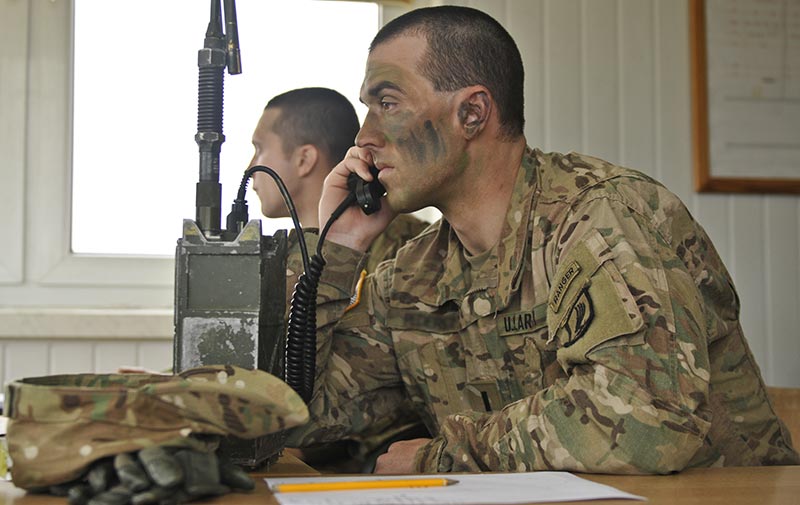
[524, 334]
[450, 365]
[431, 360]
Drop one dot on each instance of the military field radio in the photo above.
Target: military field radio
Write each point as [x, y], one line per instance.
[230, 284]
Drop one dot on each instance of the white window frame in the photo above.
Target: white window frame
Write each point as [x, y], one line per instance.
[39, 208]
[40, 277]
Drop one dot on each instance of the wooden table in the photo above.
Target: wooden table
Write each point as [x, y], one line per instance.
[762, 485]
[779, 485]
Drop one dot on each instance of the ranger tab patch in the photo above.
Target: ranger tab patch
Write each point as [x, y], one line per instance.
[560, 289]
[516, 323]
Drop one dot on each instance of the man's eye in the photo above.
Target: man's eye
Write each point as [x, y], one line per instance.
[387, 105]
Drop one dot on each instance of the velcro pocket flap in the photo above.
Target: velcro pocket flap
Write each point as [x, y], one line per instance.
[596, 305]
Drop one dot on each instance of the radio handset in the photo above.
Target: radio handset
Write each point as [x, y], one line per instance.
[368, 194]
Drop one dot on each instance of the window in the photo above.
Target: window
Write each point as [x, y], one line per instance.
[135, 162]
[41, 277]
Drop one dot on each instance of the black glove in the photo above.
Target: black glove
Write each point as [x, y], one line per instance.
[155, 475]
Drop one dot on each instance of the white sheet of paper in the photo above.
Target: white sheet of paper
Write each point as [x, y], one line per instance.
[472, 489]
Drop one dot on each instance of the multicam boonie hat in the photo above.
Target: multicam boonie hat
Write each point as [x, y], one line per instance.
[60, 424]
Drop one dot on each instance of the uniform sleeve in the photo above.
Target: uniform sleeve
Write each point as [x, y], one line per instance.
[358, 389]
[629, 331]
[402, 229]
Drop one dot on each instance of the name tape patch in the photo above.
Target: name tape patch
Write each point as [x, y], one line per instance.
[516, 323]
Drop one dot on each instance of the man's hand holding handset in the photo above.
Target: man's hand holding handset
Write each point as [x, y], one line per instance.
[354, 229]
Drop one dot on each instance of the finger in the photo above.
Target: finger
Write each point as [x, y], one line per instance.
[130, 473]
[117, 495]
[233, 476]
[79, 494]
[359, 160]
[379, 463]
[202, 473]
[162, 468]
[360, 153]
[100, 476]
[152, 496]
[385, 464]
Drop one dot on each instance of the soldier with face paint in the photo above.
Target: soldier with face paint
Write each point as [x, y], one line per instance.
[565, 313]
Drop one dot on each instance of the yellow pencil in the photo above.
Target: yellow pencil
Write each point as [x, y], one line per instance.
[352, 485]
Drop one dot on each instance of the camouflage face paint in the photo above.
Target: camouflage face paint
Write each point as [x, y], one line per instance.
[414, 146]
[432, 139]
[463, 163]
[425, 144]
[409, 127]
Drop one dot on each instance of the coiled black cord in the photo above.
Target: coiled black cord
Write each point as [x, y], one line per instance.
[301, 344]
[238, 215]
[301, 334]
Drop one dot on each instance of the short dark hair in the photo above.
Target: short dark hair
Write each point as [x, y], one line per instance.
[319, 116]
[467, 47]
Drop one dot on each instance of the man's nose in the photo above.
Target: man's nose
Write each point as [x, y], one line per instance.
[369, 135]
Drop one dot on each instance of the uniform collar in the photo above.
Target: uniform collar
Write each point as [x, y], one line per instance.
[440, 271]
[515, 238]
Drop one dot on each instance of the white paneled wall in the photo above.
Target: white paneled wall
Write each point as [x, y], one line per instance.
[34, 357]
[604, 77]
[43, 341]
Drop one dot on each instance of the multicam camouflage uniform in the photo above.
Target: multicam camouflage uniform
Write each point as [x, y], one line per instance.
[600, 335]
[396, 235]
[360, 449]
[385, 247]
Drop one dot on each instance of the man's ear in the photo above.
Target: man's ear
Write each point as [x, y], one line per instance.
[474, 110]
[304, 159]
